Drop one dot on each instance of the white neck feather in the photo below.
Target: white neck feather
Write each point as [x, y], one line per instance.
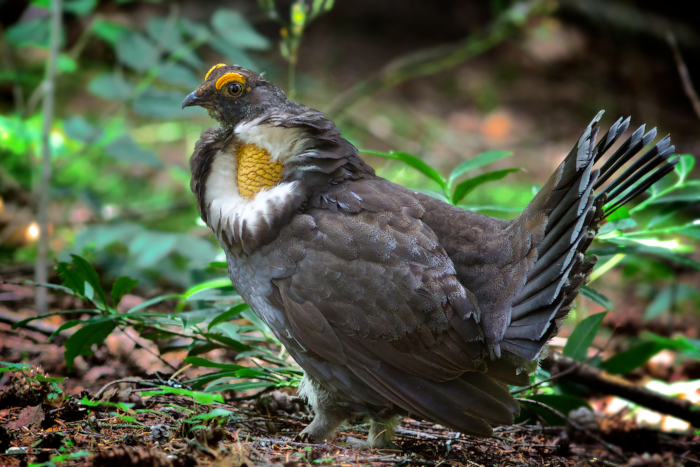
[281, 142]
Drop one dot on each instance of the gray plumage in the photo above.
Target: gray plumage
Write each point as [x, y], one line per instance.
[393, 302]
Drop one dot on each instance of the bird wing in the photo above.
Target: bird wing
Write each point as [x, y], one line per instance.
[374, 291]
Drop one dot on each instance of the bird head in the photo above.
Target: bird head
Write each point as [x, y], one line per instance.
[232, 95]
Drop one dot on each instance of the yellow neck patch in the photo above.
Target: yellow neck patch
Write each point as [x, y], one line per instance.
[256, 171]
[229, 77]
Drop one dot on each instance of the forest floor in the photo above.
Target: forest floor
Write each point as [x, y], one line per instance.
[174, 430]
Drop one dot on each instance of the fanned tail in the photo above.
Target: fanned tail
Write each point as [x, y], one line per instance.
[572, 213]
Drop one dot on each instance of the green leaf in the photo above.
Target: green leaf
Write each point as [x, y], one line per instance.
[112, 87]
[79, 7]
[619, 224]
[685, 166]
[597, 298]
[212, 284]
[167, 34]
[135, 51]
[582, 337]
[108, 31]
[464, 188]
[178, 75]
[201, 397]
[226, 315]
[163, 104]
[239, 387]
[687, 194]
[413, 161]
[233, 28]
[667, 297]
[149, 248]
[126, 149]
[19, 324]
[153, 301]
[79, 342]
[621, 213]
[90, 275]
[199, 361]
[482, 159]
[216, 413]
[626, 361]
[71, 278]
[33, 33]
[81, 130]
[121, 287]
[228, 342]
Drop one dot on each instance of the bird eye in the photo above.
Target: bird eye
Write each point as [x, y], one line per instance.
[235, 89]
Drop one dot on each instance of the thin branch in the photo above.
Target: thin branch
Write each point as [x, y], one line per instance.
[612, 385]
[41, 271]
[683, 72]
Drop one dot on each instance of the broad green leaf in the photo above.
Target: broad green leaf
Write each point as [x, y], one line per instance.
[597, 297]
[230, 313]
[621, 213]
[687, 194]
[35, 32]
[475, 162]
[685, 166]
[149, 248]
[163, 104]
[681, 344]
[232, 54]
[464, 188]
[626, 361]
[126, 149]
[233, 28]
[414, 162]
[167, 34]
[178, 75]
[79, 342]
[108, 31]
[562, 403]
[582, 337]
[71, 278]
[136, 51]
[121, 287]
[90, 275]
[79, 7]
[667, 297]
[193, 29]
[81, 130]
[239, 387]
[112, 87]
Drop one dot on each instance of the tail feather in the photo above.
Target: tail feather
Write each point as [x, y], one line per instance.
[573, 213]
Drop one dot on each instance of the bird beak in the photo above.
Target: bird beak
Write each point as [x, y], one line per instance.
[191, 99]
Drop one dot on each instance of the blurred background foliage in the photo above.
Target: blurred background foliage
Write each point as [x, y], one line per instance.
[480, 100]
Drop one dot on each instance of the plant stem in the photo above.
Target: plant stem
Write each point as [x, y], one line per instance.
[41, 269]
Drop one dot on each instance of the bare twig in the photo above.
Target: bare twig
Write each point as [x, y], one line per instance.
[41, 271]
[434, 60]
[683, 72]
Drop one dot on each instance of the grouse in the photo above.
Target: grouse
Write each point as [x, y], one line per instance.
[393, 302]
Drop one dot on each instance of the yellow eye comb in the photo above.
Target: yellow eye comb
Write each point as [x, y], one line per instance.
[227, 78]
[218, 65]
